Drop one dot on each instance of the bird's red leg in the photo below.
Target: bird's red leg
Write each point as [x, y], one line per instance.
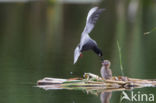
[81, 55]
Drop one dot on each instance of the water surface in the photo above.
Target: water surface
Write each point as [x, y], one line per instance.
[37, 39]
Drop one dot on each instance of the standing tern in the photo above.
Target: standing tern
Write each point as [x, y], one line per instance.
[86, 42]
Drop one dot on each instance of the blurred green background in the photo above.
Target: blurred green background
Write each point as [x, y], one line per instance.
[38, 38]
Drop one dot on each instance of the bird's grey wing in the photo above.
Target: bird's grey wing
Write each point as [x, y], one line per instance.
[92, 17]
[76, 54]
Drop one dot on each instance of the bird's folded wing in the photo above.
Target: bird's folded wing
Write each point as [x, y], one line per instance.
[92, 17]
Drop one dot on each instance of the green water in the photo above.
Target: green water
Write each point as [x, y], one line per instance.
[37, 40]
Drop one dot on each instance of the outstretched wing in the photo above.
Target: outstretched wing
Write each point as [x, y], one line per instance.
[76, 54]
[92, 17]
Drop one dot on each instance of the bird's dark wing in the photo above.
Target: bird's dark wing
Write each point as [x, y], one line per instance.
[92, 17]
[97, 51]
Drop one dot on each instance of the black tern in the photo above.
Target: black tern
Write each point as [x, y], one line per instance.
[86, 42]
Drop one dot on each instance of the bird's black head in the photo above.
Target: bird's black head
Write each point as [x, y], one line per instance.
[100, 53]
[97, 51]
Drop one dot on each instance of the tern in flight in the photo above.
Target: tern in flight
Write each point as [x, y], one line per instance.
[86, 42]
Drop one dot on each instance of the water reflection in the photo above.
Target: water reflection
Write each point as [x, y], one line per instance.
[105, 97]
[79, 1]
[104, 94]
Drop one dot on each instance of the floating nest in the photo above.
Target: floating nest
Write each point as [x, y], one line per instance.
[94, 82]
